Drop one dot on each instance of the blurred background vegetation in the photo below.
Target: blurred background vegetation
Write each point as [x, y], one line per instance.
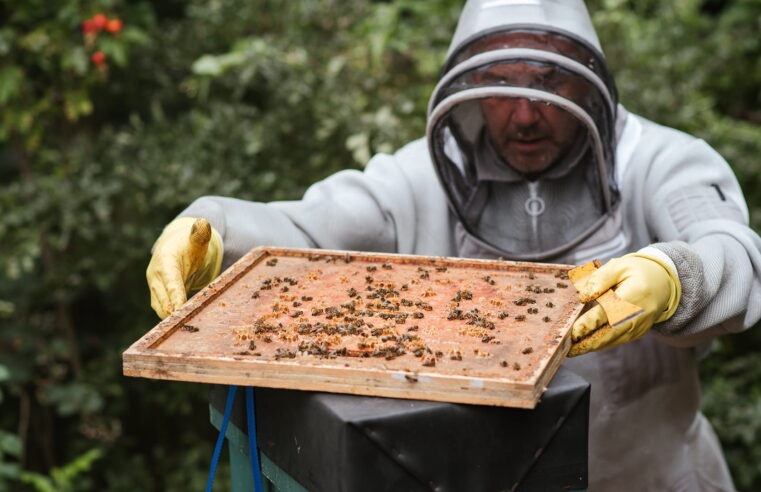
[109, 130]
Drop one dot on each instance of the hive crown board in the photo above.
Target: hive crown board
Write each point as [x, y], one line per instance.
[431, 328]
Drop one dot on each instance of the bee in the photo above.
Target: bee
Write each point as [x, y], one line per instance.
[424, 305]
[527, 350]
[550, 304]
[272, 262]
[372, 268]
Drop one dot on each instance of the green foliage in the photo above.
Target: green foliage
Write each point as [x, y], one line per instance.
[43, 41]
[683, 65]
[257, 100]
[10, 449]
[733, 402]
[66, 478]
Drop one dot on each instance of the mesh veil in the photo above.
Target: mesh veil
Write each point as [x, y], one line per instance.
[521, 208]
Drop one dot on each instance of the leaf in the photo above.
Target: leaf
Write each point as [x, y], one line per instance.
[135, 35]
[207, 65]
[65, 476]
[76, 60]
[40, 482]
[74, 398]
[10, 443]
[76, 104]
[115, 51]
[9, 470]
[11, 78]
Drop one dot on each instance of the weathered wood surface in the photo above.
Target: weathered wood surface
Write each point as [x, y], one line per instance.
[617, 310]
[444, 329]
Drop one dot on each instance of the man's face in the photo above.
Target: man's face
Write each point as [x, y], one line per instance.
[530, 136]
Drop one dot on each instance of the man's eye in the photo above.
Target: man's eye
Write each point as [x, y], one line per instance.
[549, 78]
[488, 78]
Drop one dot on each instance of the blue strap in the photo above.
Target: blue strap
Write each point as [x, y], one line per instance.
[253, 452]
[221, 438]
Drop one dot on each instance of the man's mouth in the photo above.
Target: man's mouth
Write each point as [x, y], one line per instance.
[528, 144]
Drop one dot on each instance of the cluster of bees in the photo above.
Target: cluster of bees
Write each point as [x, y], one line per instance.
[378, 316]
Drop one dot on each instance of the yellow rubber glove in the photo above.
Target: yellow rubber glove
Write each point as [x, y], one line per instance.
[187, 256]
[644, 280]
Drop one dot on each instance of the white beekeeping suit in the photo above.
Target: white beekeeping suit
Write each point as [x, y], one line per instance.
[611, 183]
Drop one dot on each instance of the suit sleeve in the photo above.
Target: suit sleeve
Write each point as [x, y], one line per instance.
[349, 210]
[696, 209]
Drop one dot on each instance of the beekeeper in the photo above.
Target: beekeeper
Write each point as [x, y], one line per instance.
[529, 156]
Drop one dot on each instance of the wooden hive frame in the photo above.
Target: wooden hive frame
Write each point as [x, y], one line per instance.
[211, 338]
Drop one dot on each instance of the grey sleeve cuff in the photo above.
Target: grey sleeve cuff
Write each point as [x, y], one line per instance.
[695, 296]
[244, 225]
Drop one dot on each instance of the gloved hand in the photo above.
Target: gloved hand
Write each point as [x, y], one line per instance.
[639, 278]
[187, 256]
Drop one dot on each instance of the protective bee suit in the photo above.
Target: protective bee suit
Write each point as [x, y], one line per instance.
[618, 184]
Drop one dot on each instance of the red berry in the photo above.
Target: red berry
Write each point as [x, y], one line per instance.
[114, 25]
[88, 26]
[100, 21]
[98, 58]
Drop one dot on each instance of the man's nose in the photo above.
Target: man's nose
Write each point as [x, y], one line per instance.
[525, 112]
